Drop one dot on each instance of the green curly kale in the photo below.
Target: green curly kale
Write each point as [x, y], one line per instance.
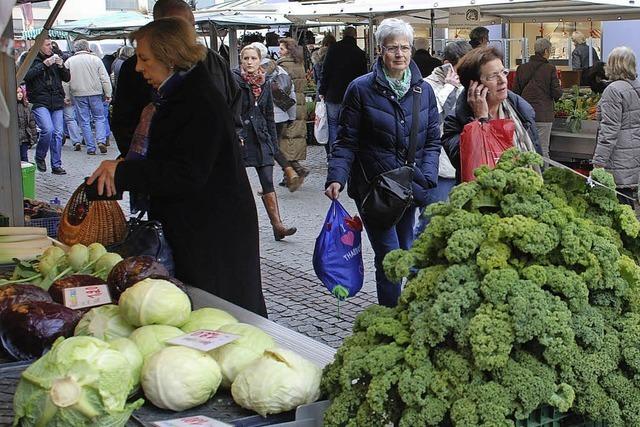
[523, 291]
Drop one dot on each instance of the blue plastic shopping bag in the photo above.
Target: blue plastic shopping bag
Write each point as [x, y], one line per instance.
[337, 256]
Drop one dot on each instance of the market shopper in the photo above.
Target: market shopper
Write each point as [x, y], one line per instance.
[284, 110]
[70, 122]
[375, 125]
[27, 132]
[258, 136]
[423, 59]
[293, 140]
[485, 98]
[90, 87]
[134, 93]
[44, 86]
[344, 62]
[580, 55]
[191, 168]
[537, 82]
[318, 56]
[618, 113]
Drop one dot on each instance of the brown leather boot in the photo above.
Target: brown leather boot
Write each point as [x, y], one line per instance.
[292, 179]
[300, 170]
[271, 205]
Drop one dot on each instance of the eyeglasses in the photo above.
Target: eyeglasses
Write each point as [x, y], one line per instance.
[405, 48]
[494, 76]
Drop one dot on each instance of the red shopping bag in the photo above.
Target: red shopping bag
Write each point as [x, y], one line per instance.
[483, 143]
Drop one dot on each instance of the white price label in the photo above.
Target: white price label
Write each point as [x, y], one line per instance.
[198, 420]
[204, 340]
[87, 296]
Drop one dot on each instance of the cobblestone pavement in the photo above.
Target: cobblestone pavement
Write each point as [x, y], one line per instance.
[295, 297]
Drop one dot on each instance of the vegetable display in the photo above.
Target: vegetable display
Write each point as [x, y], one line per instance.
[155, 302]
[152, 338]
[130, 271]
[522, 292]
[207, 318]
[80, 382]
[26, 243]
[104, 322]
[576, 106]
[19, 293]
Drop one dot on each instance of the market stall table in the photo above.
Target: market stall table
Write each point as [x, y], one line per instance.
[221, 406]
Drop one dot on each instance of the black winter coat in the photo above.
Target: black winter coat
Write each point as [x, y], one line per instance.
[537, 82]
[199, 191]
[27, 133]
[258, 124]
[344, 62]
[455, 123]
[44, 84]
[133, 93]
[425, 62]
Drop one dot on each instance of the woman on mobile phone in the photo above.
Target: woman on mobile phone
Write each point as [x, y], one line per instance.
[485, 98]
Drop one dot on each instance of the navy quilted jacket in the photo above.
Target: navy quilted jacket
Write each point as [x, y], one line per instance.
[373, 134]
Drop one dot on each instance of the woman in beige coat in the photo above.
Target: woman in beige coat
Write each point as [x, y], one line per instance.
[293, 141]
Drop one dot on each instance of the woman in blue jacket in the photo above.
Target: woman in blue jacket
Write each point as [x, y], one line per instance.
[373, 137]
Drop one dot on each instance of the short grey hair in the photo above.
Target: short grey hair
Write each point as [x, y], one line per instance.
[81, 44]
[455, 50]
[578, 38]
[262, 50]
[621, 64]
[541, 45]
[393, 27]
[127, 51]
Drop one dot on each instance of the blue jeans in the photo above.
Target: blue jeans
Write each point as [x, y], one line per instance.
[86, 108]
[107, 126]
[24, 152]
[333, 114]
[383, 242]
[72, 125]
[440, 193]
[50, 124]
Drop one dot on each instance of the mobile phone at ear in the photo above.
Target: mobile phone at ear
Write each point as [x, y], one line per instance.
[447, 67]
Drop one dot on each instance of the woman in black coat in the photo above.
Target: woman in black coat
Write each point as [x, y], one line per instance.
[258, 135]
[193, 172]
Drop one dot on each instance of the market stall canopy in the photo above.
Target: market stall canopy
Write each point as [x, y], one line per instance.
[242, 14]
[32, 33]
[108, 26]
[491, 11]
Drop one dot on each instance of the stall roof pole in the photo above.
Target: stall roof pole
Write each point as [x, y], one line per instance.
[10, 172]
[433, 32]
[26, 64]
[372, 42]
[233, 48]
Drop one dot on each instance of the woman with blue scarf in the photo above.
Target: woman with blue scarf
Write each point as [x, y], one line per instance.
[185, 160]
[373, 138]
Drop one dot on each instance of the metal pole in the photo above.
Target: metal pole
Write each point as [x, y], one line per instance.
[433, 32]
[372, 42]
[213, 36]
[10, 172]
[590, 51]
[26, 64]
[233, 48]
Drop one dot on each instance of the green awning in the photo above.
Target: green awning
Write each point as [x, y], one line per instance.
[33, 33]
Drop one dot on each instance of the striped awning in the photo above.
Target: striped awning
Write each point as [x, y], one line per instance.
[33, 33]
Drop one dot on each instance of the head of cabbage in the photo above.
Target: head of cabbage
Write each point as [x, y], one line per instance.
[279, 381]
[236, 355]
[207, 318]
[105, 323]
[80, 382]
[155, 302]
[152, 338]
[130, 351]
[179, 378]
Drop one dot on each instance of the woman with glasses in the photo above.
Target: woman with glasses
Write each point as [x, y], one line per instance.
[373, 137]
[485, 98]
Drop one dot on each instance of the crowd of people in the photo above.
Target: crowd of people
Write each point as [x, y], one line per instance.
[187, 127]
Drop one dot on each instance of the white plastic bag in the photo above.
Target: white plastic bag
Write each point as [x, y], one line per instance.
[321, 127]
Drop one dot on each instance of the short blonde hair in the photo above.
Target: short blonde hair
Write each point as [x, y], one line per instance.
[578, 38]
[621, 64]
[173, 41]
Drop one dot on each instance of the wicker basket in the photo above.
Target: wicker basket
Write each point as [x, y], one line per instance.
[87, 222]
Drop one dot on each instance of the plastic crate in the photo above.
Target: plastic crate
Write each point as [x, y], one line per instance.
[50, 223]
[548, 416]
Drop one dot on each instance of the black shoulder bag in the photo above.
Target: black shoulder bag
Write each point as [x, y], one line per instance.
[390, 193]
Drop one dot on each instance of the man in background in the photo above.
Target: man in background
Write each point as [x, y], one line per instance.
[344, 62]
[423, 59]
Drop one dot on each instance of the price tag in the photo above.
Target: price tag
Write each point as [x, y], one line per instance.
[87, 296]
[204, 340]
[198, 420]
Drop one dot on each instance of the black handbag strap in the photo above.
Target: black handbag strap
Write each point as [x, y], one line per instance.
[415, 122]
